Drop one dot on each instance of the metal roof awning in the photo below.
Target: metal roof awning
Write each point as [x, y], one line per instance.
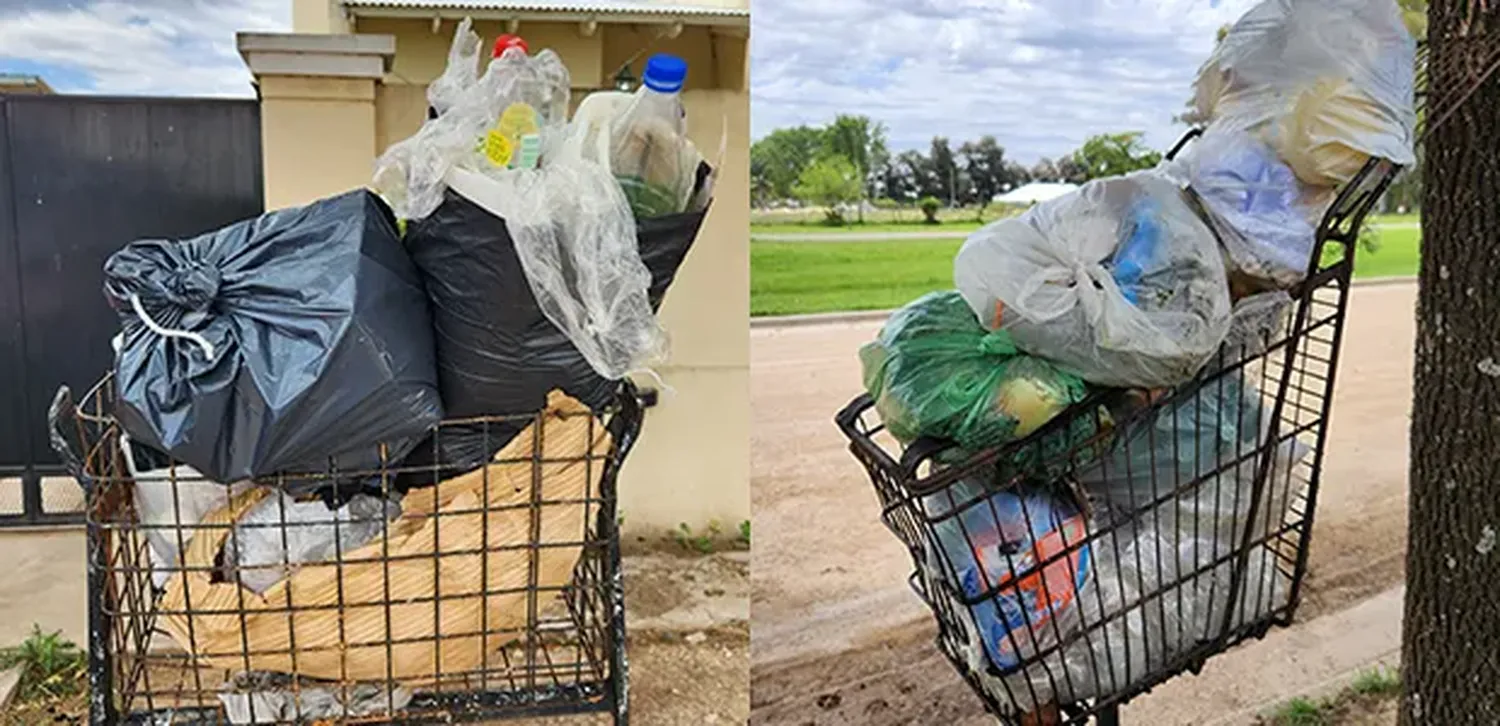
[604, 11]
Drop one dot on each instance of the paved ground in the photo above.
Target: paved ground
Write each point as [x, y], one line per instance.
[688, 618]
[854, 235]
[832, 611]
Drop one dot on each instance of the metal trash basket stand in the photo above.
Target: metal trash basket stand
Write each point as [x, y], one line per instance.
[1297, 375]
[566, 657]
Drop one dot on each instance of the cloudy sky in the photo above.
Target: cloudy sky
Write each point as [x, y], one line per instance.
[135, 47]
[1039, 75]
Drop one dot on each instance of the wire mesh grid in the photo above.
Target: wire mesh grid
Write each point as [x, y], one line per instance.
[495, 592]
[1139, 533]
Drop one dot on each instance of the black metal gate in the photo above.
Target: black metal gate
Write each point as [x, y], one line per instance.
[79, 177]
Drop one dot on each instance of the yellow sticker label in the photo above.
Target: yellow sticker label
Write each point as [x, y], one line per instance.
[497, 148]
[518, 119]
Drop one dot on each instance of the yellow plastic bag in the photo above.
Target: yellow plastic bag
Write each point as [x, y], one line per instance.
[1314, 137]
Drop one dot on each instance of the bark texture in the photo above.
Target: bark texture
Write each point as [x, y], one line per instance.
[1451, 638]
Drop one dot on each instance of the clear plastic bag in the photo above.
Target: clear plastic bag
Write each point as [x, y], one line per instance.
[1328, 83]
[412, 173]
[993, 536]
[571, 223]
[1157, 578]
[1119, 282]
[461, 72]
[576, 240]
[1263, 214]
[279, 533]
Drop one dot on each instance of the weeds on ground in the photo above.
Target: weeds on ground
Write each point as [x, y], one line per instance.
[1367, 690]
[52, 667]
[745, 532]
[1378, 682]
[700, 542]
[1299, 712]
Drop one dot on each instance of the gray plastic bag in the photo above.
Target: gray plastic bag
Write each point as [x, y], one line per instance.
[291, 342]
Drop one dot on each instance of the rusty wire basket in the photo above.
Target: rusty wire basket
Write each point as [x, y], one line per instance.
[1177, 522]
[454, 591]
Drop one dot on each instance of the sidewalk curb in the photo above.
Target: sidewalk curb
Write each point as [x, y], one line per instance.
[865, 316]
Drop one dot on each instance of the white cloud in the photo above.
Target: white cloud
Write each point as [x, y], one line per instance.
[141, 47]
[1040, 75]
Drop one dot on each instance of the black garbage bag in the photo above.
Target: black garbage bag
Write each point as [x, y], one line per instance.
[293, 342]
[497, 352]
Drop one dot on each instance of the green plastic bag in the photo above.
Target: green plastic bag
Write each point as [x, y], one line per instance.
[935, 371]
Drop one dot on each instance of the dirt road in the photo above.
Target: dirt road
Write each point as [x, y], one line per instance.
[838, 638]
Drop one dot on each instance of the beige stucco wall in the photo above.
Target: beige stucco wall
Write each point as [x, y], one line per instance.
[692, 462]
[317, 136]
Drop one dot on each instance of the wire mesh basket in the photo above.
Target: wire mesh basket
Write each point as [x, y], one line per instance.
[453, 591]
[1140, 532]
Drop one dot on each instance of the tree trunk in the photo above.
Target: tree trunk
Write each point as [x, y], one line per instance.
[1450, 662]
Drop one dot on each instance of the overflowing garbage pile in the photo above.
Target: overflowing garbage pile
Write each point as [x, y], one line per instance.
[505, 255]
[1138, 282]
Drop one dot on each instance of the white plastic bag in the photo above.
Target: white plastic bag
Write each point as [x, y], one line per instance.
[1264, 215]
[169, 503]
[279, 533]
[1328, 83]
[1119, 282]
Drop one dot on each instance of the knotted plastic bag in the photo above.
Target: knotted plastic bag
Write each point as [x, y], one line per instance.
[1328, 83]
[1119, 282]
[289, 343]
[934, 371]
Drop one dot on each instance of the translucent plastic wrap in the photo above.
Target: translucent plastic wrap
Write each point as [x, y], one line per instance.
[576, 240]
[278, 533]
[1119, 282]
[461, 72]
[935, 371]
[1171, 533]
[1264, 216]
[412, 173]
[1328, 83]
[571, 224]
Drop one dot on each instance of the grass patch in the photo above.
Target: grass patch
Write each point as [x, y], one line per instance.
[1299, 712]
[52, 667]
[953, 222]
[1377, 682]
[1370, 698]
[855, 229]
[791, 278]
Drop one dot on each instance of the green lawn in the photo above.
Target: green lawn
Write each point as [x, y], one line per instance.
[788, 278]
[963, 223]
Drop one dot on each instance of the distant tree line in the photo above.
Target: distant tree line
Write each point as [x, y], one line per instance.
[849, 162]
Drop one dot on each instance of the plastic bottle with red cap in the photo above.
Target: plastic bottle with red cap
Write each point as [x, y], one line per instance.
[503, 43]
[507, 41]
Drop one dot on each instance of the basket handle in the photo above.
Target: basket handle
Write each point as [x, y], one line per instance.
[63, 411]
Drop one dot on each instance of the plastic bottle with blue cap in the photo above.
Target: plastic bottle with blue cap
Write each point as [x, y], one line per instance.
[646, 148]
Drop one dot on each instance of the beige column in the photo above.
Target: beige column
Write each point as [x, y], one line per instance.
[692, 464]
[317, 112]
